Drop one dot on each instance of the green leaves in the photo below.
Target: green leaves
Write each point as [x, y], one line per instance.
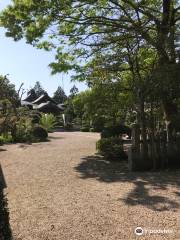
[48, 121]
[104, 41]
[64, 62]
[59, 95]
[48, 46]
[87, 25]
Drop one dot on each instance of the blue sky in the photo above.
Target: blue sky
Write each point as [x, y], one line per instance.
[26, 64]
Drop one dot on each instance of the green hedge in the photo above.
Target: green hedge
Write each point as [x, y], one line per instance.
[111, 148]
[68, 126]
[39, 133]
[5, 139]
[85, 129]
[115, 131]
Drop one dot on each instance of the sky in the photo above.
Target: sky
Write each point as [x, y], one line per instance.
[26, 64]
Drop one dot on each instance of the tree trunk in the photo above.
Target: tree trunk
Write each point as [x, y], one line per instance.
[143, 129]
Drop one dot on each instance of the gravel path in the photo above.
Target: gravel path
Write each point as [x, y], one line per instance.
[60, 190]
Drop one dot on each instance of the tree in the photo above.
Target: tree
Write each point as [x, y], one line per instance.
[73, 91]
[95, 24]
[7, 90]
[95, 30]
[102, 105]
[39, 89]
[59, 95]
[9, 101]
[69, 110]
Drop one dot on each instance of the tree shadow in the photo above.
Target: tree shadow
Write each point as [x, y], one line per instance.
[54, 137]
[5, 229]
[140, 196]
[104, 171]
[3, 150]
[177, 193]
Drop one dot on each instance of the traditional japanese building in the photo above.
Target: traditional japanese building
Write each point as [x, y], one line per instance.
[44, 103]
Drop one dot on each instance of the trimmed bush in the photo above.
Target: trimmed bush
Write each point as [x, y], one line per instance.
[107, 133]
[84, 129]
[115, 131]
[40, 133]
[92, 130]
[68, 126]
[5, 139]
[98, 124]
[36, 117]
[2, 140]
[111, 148]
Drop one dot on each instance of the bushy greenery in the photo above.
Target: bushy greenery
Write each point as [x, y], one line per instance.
[48, 121]
[68, 126]
[23, 131]
[19, 127]
[114, 131]
[85, 129]
[111, 148]
[17, 122]
[36, 117]
[98, 123]
[59, 95]
[8, 93]
[127, 52]
[39, 133]
[101, 105]
[38, 89]
[5, 139]
[92, 129]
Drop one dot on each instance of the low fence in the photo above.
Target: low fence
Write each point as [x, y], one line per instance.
[155, 153]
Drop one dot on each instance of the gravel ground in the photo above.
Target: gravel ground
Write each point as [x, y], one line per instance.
[61, 190]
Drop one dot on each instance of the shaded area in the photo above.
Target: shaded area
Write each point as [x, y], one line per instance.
[54, 137]
[140, 196]
[177, 193]
[104, 171]
[3, 150]
[5, 230]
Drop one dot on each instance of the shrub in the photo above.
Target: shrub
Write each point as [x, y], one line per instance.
[98, 124]
[5, 139]
[22, 130]
[92, 129]
[36, 117]
[111, 148]
[2, 140]
[106, 133]
[85, 129]
[40, 133]
[48, 121]
[115, 131]
[68, 126]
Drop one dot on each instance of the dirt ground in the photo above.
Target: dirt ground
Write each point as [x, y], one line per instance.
[61, 190]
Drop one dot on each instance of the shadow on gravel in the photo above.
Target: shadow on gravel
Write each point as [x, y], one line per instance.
[5, 230]
[54, 137]
[104, 171]
[3, 150]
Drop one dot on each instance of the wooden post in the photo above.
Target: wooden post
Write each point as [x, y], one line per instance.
[136, 160]
[136, 137]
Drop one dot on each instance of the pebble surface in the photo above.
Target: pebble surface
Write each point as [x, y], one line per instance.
[61, 190]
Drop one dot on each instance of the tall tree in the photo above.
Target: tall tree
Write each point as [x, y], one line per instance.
[8, 91]
[38, 89]
[90, 28]
[9, 101]
[74, 91]
[59, 95]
